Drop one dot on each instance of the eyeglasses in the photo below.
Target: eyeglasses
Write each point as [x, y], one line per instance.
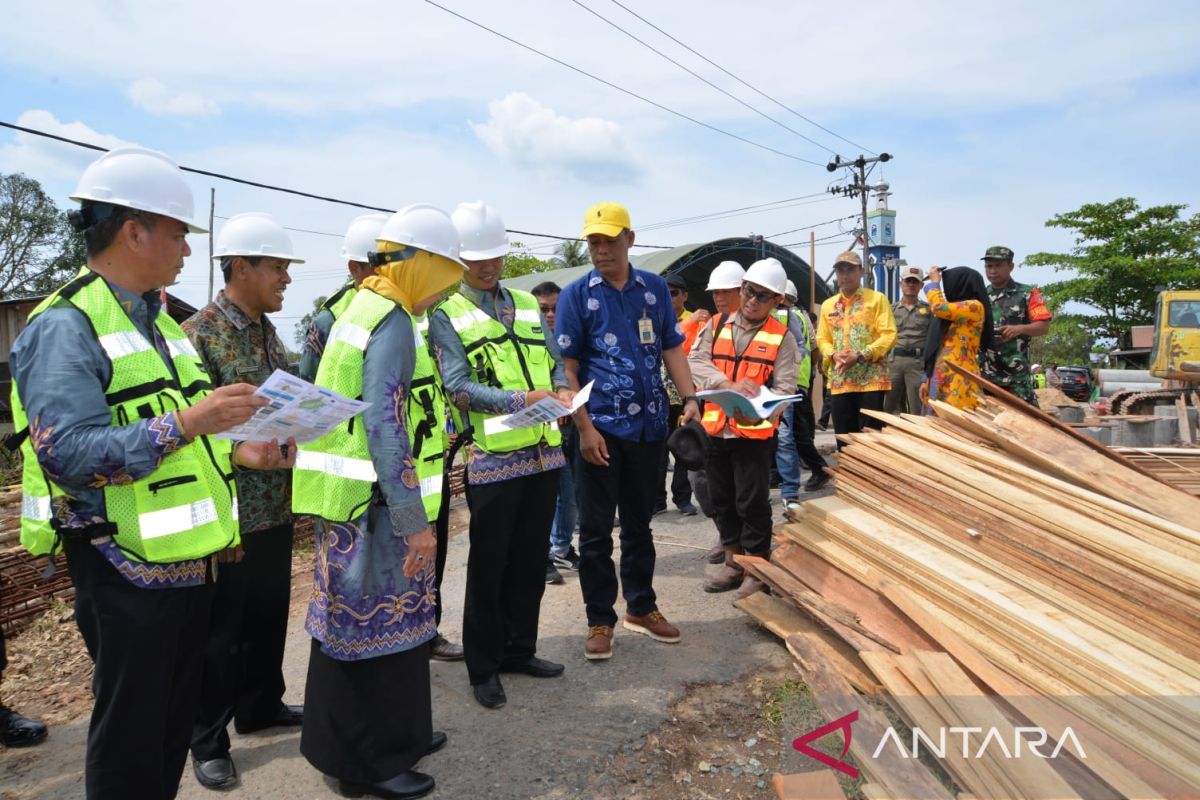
[676, 292]
[762, 297]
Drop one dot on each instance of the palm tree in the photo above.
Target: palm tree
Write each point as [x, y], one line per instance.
[570, 253]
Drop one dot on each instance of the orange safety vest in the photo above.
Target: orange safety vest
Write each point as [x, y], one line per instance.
[756, 362]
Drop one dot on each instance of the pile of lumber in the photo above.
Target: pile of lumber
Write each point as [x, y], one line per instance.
[994, 569]
[1178, 466]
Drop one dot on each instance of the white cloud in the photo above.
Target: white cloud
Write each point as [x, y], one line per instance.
[532, 137]
[47, 159]
[154, 96]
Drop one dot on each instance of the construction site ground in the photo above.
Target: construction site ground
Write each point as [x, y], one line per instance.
[710, 717]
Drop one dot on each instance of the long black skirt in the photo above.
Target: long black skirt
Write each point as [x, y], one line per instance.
[370, 720]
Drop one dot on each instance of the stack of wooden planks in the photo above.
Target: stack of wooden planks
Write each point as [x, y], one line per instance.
[1178, 466]
[993, 569]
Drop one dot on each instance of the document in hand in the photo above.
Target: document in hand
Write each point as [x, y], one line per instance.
[541, 412]
[297, 409]
[759, 407]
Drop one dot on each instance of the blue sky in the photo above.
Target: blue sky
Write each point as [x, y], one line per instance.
[999, 114]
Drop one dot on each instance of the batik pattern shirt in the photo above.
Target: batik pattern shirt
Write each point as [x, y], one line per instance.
[960, 346]
[598, 326]
[451, 357]
[362, 604]
[862, 323]
[62, 372]
[236, 349]
[1006, 364]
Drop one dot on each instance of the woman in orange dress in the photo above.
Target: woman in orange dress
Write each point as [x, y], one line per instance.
[961, 331]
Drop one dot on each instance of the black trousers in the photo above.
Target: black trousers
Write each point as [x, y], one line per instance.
[627, 484]
[681, 490]
[846, 411]
[148, 646]
[441, 530]
[368, 720]
[804, 429]
[739, 474]
[3, 654]
[506, 570]
[243, 658]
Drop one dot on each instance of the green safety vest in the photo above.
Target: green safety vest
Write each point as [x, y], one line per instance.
[334, 477]
[187, 507]
[340, 300]
[803, 367]
[504, 359]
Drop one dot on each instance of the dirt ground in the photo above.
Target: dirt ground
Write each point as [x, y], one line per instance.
[710, 717]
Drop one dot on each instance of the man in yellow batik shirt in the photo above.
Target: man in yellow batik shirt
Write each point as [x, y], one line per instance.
[855, 333]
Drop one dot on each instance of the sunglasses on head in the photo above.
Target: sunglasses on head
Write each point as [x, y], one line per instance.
[762, 297]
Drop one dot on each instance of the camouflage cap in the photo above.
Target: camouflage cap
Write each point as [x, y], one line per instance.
[999, 252]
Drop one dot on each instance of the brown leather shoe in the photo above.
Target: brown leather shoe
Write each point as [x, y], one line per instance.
[442, 649]
[716, 555]
[598, 646]
[750, 586]
[654, 625]
[726, 580]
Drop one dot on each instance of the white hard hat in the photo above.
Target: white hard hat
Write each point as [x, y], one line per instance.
[726, 275]
[480, 231]
[361, 236]
[141, 179]
[768, 273]
[791, 292]
[424, 227]
[254, 234]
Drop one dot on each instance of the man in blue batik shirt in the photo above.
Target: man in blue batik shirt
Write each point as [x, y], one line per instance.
[616, 326]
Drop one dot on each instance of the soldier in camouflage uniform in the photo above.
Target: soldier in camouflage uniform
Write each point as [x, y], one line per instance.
[1019, 314]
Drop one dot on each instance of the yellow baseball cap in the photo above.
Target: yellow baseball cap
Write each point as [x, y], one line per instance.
[606, 219]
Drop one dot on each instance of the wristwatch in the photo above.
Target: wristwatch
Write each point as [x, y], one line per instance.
[864, 355]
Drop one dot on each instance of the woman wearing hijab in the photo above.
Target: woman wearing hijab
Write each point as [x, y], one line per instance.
[961, 331]
[374, 485]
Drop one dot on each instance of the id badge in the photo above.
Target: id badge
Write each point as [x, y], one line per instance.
[646, 330]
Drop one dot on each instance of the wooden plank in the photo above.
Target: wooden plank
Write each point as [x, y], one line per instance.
[818, 785]
[835, 698]
[1185, 430]
[784, 620]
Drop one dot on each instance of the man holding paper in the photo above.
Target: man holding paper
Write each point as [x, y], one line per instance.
[744, 352]
[497, 356]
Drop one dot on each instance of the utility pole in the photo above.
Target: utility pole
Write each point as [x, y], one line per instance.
[859, 188]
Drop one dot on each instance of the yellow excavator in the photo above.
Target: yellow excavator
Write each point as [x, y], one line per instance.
[1175, 354]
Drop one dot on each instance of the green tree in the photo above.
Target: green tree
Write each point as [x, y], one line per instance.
[520, 261]
[570, 253]
[1122, 255]
[39, 251]
[301, 329]
[1068, 342]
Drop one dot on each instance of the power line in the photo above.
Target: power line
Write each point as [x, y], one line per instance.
[808, 227]
[270, 187]
[730, 215]
[700, 77]
[622, 89]
[739, 80]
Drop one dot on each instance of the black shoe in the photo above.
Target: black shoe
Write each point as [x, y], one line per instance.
[436, 742]
[552, 573]
[18, 731]
[216, 773]
[490, 694]
[537, 667]
[816, 481]
[659, 508]
[405, 786]
[442, 649]
[687, 509]
[287, 716]
[569, 561]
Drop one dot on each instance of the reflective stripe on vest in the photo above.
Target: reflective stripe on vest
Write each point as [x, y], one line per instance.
[186, 507]
[334, 476]
[756, 362]
[515, 360]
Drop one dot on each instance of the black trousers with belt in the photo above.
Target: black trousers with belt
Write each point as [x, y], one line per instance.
[848, 408]
[243, 659]
[148, 645]
[506, 570]
[739, 475]
[627, 484]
